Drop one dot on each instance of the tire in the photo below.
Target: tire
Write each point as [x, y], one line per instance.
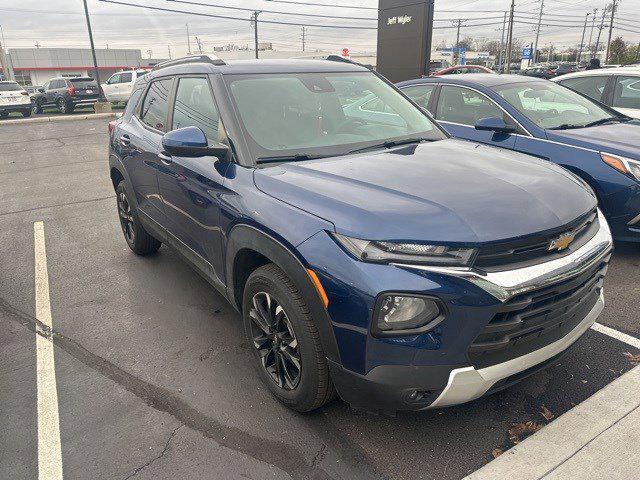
[138, 239]
[289, 330]
[36, 108]
[4, 114]
[26, 113]
[64, 106]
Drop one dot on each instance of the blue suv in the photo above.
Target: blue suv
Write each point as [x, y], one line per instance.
[370, 255]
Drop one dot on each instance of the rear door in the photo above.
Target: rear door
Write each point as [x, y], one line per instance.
[140, 141]
[124, 87]
[52, 93]
[459, 108]
[191, 187]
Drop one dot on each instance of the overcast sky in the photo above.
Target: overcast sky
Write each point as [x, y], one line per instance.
[59, 23]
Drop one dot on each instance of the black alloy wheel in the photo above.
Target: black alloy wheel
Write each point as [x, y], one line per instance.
[275, 340]
[126, 218]
[62, 105]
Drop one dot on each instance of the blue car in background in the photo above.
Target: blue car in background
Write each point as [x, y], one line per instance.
[548, 121]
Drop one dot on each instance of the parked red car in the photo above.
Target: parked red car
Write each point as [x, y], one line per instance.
[456, 69]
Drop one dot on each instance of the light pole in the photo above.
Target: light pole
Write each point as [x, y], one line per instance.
[584, 29]
[535, 45]
[102, 105]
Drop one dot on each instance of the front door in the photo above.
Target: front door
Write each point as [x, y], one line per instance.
[459, 109]
[190, 187]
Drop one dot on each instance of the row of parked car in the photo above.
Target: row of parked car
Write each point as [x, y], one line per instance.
[406, 247]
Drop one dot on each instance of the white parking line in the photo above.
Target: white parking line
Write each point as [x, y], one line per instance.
[623, 337]
[49, 450]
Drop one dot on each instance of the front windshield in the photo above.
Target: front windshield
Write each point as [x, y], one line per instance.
[552, 106]
[324, 113]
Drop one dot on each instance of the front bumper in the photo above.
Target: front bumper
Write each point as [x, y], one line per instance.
[437, 371]
[467, 383]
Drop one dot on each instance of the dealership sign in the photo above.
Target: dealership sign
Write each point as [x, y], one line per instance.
[402, 20]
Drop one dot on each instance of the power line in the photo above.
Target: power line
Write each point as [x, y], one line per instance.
[227, 17]
[279, 12]
[322, 4]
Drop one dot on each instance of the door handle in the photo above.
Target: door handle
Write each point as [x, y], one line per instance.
[165, 158]
[125, 141]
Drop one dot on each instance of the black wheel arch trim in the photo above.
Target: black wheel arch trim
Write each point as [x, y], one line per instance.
[248, 237]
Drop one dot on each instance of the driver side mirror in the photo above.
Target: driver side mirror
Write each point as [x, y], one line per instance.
[494, 124]
[192, 142]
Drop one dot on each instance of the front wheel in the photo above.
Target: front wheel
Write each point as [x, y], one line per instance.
[285, 340]
[4, 114]
[26, 113]
[138, 239]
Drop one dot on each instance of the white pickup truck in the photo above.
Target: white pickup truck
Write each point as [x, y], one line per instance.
[119, 85]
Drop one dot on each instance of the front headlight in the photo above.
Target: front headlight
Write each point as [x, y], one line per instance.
[375, 251]
[622, 164]
[405, 314]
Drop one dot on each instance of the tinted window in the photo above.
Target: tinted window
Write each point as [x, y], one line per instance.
[9, 87]
[464, 106]
[114, 79]
[125, 77]
[57, 84]
[419, 94]
[627, 92]
[194, 107]
[83, 82]
[591, 86]
[155, 105]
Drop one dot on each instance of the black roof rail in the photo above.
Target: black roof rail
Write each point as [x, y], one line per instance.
[190, 59]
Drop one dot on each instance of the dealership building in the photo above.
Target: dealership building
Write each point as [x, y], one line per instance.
[34, 66]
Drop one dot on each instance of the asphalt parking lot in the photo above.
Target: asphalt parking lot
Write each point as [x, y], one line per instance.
[154, 379]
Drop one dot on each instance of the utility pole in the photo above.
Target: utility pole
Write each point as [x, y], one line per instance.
[37, 44]
[169, 48]
[604, 14]
[303, 37]
[510, 36]
[199, 43]
[254, 21]
[584, 29]
[501, 55]
[101, 98]
[593, 25]
[457, 50]
[535, 44]
[188, 40]
[613, 13]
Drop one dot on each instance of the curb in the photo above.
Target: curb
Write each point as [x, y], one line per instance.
[592, 440]
[62, 118]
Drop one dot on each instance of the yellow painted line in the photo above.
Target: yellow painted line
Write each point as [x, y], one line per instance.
[49, 450]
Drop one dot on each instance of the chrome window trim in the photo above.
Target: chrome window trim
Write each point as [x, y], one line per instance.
[484, 95]
[506, 284]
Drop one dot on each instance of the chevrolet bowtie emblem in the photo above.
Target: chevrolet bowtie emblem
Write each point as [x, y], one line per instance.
[562, 242]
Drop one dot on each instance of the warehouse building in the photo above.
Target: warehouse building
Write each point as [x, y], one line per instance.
[34, 66]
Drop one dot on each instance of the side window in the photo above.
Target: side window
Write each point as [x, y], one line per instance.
[194, 107]
[156, 104]
[46, 86]
[54, 84]
[419, 94]
[114, 79]
[125, 77]
[591, 86]
[464, 106]
[627, 92]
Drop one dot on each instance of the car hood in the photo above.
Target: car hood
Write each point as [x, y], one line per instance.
[620, 138]
[445, 191]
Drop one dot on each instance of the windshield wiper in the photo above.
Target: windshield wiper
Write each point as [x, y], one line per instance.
[298, 157]
[602, 121]
[393, 143]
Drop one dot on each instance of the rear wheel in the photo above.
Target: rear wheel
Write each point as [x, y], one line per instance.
[36, 108]
[138, 239]
[64, 106]
[285, 340]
